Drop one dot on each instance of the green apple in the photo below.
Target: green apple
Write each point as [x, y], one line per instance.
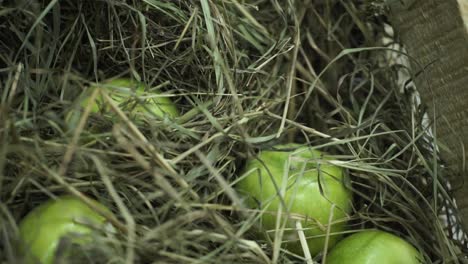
[44, 227]
[131, 96]
[313, 190]
[373, 246]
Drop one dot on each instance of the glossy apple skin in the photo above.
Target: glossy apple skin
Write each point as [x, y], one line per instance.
[42, 229]
[125, 92]
[373, 246]
[304, 195]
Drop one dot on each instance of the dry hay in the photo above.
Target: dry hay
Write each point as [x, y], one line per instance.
[246, 75]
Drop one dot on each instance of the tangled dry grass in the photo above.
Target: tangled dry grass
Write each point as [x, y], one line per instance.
[246, 75]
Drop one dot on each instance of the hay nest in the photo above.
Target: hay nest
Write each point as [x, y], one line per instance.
[246, 75]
